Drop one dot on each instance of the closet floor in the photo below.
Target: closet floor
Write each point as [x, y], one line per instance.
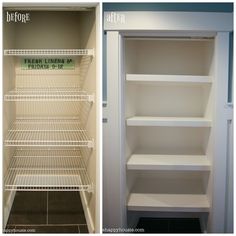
[169, 225]
[47, 212]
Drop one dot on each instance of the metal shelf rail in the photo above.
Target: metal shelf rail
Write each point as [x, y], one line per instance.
[48, 94]
[49, 52]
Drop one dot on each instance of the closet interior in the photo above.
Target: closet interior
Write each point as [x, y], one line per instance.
[168, 116]
[49, 109]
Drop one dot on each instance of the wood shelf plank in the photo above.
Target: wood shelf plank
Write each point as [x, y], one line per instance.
[168, 162]
[168, 121]
[168, 202]
[169, 78]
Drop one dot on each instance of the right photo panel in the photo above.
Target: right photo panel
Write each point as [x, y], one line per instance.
[167, 118]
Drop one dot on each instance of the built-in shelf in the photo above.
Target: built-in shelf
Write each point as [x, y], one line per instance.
[169, 78]
[49, 52]
[171, 193]
[47, 170]
[168, 162]
[48, 133]
[168, 202]
[48, 94]
[168, 116]
[168, 121]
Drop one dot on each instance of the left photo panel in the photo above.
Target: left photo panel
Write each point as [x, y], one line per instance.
[50, 84]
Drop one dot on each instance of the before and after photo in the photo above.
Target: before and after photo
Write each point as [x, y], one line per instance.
[117, 117]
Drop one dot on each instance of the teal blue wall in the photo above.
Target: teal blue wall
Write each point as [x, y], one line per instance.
[230, 79]
[202, 7]
[192, 7]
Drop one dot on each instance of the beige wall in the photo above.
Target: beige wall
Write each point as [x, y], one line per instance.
[88, 40]
[8, 111]
[52, 30]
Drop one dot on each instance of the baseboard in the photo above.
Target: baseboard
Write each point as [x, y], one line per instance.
[203, 224]
[7, 208]
[87, 213]
[133, 217]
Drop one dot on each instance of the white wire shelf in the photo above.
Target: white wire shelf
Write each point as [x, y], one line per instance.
[49, 52]
[48, 94]
[47, 159]
[46, 180]
[49, 133]
[47, 170]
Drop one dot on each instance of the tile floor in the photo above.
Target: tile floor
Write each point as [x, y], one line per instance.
[169, 225]
[47, 212]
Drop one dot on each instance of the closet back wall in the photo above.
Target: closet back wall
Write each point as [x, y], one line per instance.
[53, 30]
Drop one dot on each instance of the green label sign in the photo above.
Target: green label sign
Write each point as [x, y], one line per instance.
[47, 64]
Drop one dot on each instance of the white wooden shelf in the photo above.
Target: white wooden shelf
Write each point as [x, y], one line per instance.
[192, 79]
[168, 162]
[168, 202]
[172, 194]
[168, 121]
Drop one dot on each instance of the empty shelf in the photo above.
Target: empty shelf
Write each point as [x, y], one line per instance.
[48, 94]
[49, 52]
[45, 170]
[168, 202]
[169, 121]
[168, 193]
[47, 159]
[168, 162]
[169, 78]
[32, 132]
[47, 180]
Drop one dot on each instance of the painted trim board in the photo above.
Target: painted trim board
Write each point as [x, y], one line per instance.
[7, 208]
[88, 216]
